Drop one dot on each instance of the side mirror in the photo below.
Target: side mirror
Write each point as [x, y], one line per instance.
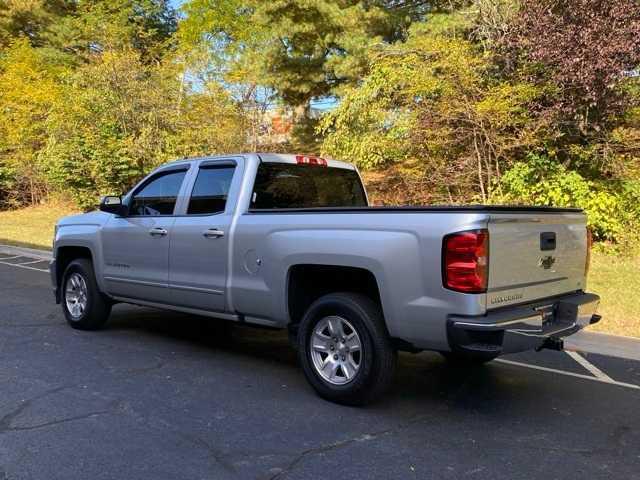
[113, 204]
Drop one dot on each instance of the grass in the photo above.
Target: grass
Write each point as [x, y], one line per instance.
[615, 279]
[33, 226]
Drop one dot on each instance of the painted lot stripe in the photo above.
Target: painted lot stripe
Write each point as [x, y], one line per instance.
[18, 260]
[27, 267]
[570, 374]
[590, 366]
[31, 262]
[12, 258]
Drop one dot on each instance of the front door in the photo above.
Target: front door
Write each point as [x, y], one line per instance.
[200, 241]
[136, 247]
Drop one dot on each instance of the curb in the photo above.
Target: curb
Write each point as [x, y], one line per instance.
[604, 344]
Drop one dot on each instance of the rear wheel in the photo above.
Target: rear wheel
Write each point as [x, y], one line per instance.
[84, 306]
[345, 350]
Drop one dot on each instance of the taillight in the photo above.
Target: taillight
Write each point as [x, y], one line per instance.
[466, 261]
[587, 260]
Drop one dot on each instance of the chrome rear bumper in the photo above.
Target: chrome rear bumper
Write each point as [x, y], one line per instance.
[525, 327]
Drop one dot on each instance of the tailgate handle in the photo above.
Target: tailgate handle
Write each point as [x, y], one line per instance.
[548, 241]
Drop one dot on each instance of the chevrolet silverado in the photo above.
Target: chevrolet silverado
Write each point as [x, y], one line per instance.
[290, 241]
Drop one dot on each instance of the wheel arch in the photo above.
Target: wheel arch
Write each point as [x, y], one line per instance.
[64, 256]
[308, 282]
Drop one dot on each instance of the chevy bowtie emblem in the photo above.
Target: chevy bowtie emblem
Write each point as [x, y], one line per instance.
[546, 262]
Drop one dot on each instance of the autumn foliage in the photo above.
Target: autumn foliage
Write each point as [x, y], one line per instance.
[445, 101]
[586, 49]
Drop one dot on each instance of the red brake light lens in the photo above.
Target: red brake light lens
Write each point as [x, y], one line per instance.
[306, 160]
[466, 261]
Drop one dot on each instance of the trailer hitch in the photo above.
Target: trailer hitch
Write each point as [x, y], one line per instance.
[552, 343]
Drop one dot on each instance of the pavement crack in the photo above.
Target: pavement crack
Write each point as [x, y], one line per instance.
[164, 427]
[7, 420]
[214, 453]
[346, 442]
[58, 422]
[326, 448]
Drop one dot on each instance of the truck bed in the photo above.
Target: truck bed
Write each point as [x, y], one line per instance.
[424, 209]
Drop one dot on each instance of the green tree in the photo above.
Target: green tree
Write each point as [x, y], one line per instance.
[302, 49]
[31, 19]
[433, 106]
[97, 26]
[298, 49]
[208, 122]
[29, 88]
[119, 117]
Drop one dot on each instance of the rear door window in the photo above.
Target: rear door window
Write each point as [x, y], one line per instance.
[211, 190]
[284, 185]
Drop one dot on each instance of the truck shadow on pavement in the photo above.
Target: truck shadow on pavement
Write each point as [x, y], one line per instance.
[421, 379]
[497, 405]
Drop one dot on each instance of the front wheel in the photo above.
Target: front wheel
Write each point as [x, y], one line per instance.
[345, 350]
[84, 306]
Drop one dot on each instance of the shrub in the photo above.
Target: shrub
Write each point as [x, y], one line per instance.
[541, 181]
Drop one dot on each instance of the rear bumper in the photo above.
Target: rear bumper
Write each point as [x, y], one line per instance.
[524, 327]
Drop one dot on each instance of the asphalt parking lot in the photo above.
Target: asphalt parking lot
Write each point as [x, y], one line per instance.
[160, 395]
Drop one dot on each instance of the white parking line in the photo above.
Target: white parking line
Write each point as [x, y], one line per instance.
[569, 374]
[30, 262]
[18, 265]
[589, 366]
[13, 258]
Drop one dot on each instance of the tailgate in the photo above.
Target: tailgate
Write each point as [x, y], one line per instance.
[534, 256]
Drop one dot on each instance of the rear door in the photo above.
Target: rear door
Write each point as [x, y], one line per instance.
[201, 237]
[535, 255]
[136, 247]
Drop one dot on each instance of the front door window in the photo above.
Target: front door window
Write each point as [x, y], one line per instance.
[158, 196]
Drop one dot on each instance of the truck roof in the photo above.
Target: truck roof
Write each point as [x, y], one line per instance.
[274, 158]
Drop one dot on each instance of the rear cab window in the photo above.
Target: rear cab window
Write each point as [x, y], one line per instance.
[286, 185]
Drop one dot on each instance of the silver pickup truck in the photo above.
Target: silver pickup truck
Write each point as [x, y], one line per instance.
[289, 241]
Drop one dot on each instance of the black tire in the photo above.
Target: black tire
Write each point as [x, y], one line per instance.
[468, 359]
[378, 358]
[98, 307]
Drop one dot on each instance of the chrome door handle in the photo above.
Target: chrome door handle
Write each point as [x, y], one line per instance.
[213, 233]
[157, 232]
